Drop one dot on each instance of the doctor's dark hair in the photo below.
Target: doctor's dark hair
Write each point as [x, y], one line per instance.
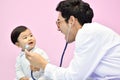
[77, 8]
[16, 32]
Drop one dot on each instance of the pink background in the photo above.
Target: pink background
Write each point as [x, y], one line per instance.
[40, 17]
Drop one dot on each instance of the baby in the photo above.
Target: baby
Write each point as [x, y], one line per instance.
[22, 37]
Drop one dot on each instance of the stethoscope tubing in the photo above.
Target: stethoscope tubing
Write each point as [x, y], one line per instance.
[61, 60]
[32, 75]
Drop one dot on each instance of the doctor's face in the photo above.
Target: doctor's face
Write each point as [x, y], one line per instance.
[65, 28]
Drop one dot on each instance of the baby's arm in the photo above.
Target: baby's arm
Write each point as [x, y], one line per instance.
[19, 73]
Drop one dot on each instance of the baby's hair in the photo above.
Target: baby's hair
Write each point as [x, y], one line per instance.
[16, 32]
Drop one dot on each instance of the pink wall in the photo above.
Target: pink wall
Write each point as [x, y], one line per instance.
[40, 17]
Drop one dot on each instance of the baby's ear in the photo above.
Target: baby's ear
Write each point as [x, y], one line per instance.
[17, 44]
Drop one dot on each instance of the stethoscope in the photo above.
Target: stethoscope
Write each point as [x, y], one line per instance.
[61, 60]
[32, 75]
[27, 47]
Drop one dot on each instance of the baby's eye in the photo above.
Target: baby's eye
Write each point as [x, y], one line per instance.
[31, 35]
[24, 37]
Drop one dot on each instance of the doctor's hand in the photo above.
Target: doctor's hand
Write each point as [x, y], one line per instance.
[36, 60]
[24, 78]
[34, 68]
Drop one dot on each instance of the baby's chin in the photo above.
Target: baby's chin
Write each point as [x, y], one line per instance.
[31, 47]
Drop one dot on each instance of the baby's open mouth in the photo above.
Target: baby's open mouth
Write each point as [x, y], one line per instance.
[30, 43]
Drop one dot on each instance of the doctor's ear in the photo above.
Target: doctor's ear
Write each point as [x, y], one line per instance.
[72, 20]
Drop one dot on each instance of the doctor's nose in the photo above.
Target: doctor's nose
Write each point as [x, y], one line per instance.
[58, 25]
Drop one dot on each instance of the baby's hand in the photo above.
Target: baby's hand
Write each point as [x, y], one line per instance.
[34, 68]
[24, 78]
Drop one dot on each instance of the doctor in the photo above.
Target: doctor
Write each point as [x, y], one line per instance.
[97, 48]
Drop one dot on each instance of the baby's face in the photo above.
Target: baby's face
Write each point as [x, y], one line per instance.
[26, 38]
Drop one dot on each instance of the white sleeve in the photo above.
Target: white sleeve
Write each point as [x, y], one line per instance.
[54, 72]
